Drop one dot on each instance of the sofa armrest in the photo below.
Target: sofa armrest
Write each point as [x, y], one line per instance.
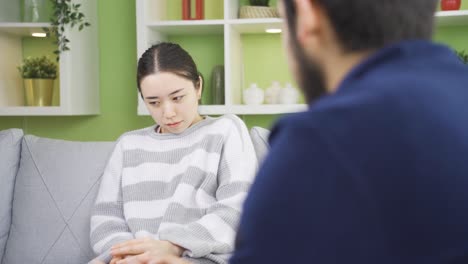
[10, 147]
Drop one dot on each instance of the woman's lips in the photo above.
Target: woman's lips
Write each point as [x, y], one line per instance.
[174, 124]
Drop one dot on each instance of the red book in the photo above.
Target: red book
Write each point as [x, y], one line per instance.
[199, 9]
[187, 10]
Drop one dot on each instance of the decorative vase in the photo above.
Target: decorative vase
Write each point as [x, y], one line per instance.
[187, 10]
[34, 11]
[38, 92]
[288, 95]
[253, 95]
[217, 85]
[272, 93]
[447, 5]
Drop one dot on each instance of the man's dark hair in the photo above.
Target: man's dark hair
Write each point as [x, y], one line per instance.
[370, 24]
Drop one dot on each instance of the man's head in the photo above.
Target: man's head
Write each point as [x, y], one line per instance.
[321, 32]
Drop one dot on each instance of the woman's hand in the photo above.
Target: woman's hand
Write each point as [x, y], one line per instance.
[146, 245]
[115, 259]
[147, 258]
[96, 261]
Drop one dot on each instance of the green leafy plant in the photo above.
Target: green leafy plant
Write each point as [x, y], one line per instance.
[259, 2]
[38, 68]
[65, 13]
[463, 56]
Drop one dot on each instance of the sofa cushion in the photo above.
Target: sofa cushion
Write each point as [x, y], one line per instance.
[55, 189]
[10, 147]
[259, 137]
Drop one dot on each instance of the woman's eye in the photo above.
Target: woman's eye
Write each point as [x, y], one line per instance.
[154, 103]
[178, 98]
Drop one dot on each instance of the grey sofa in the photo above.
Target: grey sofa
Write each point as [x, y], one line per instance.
[47, 188]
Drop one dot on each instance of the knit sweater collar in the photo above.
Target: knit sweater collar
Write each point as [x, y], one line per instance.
[204, 122]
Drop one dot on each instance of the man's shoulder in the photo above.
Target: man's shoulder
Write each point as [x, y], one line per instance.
[335, 119]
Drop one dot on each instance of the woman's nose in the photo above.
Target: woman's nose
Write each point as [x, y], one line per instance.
[169, 110]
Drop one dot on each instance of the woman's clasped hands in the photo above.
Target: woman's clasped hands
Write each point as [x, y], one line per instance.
[146, 250]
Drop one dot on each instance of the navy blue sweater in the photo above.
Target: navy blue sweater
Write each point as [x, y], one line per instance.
[375, 173]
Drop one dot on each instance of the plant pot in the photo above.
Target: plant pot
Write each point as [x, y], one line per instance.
[447, 5]
[257, 12]
[38, 92]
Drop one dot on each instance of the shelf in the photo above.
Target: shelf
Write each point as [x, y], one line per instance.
[452, 18]
[263, 109]
[266, 109]
[38, 111]
[248, 49]
[443, 18]
[188, 27]
[255, 25]
[243, 109]
[31, 111]
[212, 109]
[76, 89]
[22, 29]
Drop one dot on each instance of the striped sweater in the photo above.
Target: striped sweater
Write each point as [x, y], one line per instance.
[185, 188]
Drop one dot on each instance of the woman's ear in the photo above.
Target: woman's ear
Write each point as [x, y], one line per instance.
[200, 87]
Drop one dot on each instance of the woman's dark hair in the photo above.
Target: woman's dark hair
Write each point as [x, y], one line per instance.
[371, 24]
[167, 57]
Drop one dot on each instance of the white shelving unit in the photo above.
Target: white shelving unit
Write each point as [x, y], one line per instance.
[452, 18]
[152, 26]
[78, 68]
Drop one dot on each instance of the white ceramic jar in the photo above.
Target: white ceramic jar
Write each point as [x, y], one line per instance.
[272, 93]
[288, 95]
[253, 95]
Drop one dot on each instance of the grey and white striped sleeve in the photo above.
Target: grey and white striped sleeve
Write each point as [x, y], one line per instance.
[108, 225]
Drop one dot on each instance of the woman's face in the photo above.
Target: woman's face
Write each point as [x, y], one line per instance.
[171, 100]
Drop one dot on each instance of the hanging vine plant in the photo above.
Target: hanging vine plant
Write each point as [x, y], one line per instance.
[65, 13]
[463, 56]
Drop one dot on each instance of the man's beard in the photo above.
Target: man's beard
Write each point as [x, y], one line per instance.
[309, 74]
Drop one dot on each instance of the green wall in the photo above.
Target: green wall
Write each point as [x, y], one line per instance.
[207, 51]
[117, 42]
[117, 47]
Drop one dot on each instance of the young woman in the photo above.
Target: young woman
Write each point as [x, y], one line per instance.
[175, 188]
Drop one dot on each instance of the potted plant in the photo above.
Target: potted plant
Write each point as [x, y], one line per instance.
[258, 9]
[38, 75]
[463, 56]
[65, 13]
